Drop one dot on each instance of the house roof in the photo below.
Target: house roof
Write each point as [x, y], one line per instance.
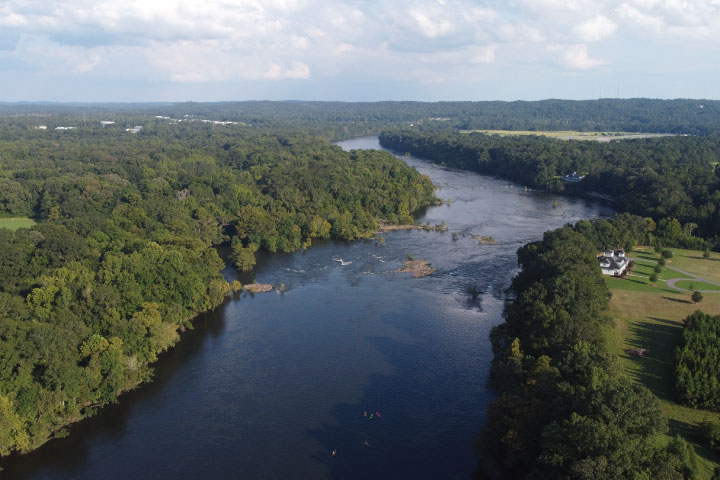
[612, 262]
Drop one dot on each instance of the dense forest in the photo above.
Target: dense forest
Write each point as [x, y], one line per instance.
[565, 410]
[669, 177]
[122, 258]
[697, 365]
[122, 255]
[341, 119]
[635, 115]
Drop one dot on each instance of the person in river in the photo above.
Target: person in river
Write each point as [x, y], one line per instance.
[334, 452]
[366, 443]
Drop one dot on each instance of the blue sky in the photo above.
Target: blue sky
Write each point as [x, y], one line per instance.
[211, 50]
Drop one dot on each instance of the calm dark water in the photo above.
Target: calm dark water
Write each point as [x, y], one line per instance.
[267, 386]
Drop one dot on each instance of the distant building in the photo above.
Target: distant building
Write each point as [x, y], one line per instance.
[573, 177]
[613, 262]
[135, 129]
[106, 122]
[64, 128]
[41, 127]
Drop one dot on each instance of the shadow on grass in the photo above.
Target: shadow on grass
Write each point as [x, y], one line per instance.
[659, 337]
[678, 300]
[670, 290]
[689, 431]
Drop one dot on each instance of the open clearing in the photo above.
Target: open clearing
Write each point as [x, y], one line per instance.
[17, 222]
[651, 318]
[693, 261]
[573, 135]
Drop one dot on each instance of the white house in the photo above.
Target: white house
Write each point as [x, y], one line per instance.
[613, 262]
[573, 177]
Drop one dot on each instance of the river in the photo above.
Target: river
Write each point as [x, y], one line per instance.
[267, 386]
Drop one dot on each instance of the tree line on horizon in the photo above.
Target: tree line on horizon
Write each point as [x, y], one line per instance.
[335, 120]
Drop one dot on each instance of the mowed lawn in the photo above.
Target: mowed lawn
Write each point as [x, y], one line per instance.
[639, 278]
[17, 222]
[651, 318]
[692, 261]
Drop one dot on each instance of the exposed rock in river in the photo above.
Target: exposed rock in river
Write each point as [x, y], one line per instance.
[258, 287]
[418, 268]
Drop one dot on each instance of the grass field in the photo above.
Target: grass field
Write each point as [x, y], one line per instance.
[15, 223]
[696, 285]
[651, 318]
[572, 134]
[639, 280]
[693, 261]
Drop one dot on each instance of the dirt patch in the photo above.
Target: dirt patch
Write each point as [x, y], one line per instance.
[418, 268]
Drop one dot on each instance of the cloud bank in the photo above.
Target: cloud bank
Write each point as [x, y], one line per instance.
[431, 41]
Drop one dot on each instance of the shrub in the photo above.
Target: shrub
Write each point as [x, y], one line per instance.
[657, 269]
[653, 277]
[661, 262]
[667, 253]
[697, 297]
[710, 432]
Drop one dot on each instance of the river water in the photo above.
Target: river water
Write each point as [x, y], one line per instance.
[267, 386]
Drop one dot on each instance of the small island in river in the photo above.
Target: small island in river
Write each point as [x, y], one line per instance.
[258, 287]
[418, 268]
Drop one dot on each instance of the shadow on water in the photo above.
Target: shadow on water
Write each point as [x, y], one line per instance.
[387, 446]
[65, 455]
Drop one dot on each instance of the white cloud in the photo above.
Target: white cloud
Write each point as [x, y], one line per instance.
[430, 28]
[56, 58]
[194, 41]
[595, 29]
[576, 57]
[299, 70]
[485, 55]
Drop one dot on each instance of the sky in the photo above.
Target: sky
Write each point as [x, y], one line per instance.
[362, 50]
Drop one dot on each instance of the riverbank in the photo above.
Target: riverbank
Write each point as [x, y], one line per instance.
[416, 226]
